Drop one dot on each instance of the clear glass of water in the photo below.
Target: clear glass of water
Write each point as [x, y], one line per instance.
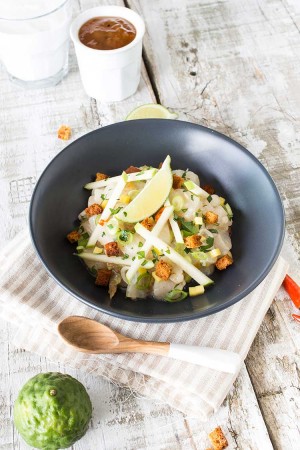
[34, 40]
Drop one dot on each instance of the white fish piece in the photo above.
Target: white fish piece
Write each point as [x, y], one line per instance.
[133, 292]
[223, 242]
[132, 248]
[177, 274]
[189, 175]
[161, 288]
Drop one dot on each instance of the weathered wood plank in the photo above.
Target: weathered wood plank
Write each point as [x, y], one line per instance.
[28, 139]
[232, 66]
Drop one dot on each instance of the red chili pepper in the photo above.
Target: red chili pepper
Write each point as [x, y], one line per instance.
[296, 317]
[292, 289]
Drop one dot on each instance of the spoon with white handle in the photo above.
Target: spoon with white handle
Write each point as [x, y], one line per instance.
[90, 336]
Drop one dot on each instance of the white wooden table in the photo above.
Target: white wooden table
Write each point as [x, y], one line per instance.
[232, 65]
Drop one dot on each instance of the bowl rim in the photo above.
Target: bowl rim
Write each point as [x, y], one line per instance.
[180, 317]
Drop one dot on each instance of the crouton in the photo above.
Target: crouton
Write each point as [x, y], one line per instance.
[217, 438]
[209, 189]
[64, 132]
[100, 176]
[93, 210]
[74, 236]
[159, 213]
[193, 241]
[211, 217]
[148, 223]
[112, 249]
[163, 270]
[223, 262]
[132, 169]
[177, 182]
[103, 277]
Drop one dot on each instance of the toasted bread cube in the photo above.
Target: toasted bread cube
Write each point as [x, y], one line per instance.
[93, 210]
[100, 176]
[217, 438]
[209, 189]
[224, 262]
[64, 132]
[211, 217]
[74, 236]
[103, 277]
[112, 249]
[159, 213]
[163, 270]
[148, 223]
[177, 182]
[193, 241]
[132, 169]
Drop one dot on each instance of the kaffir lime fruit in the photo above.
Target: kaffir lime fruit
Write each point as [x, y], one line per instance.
[52, 411]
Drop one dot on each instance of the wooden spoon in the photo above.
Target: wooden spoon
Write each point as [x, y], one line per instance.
[90, 336]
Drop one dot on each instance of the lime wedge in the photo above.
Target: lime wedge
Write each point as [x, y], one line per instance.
[151, 198]
[151, 111]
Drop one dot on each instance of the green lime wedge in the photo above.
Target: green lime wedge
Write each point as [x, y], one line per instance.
[151, 198]
[151, 111]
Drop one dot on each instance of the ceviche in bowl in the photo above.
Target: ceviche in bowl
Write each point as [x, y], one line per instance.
[154, 232]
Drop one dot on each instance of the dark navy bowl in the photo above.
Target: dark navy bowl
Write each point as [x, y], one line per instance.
[258, 226]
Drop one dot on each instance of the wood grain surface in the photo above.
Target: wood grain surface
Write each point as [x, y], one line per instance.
[233, 66]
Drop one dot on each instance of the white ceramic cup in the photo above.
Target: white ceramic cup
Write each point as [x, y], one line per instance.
[109, 75]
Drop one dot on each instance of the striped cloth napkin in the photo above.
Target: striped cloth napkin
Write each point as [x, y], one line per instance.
[34, 303]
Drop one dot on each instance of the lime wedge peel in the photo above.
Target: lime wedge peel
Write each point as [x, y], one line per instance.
[151, 198]
[151, 111]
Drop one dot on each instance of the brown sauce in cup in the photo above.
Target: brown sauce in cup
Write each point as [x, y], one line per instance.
[106, 33]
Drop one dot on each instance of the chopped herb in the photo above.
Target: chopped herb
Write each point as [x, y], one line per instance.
[103, 233]
[141, 254]
[115, 211]
[139, 173]
[140, 244]
[155, 254]
[125, 256]
[110, 226]
[125, 213]
[103, 197]
[184, 173]
[144, 262]
[184, 210]
[187, 250]
[133, 258]
[168, 251]
[192, 197]
[209, 198]
[188, 226]
[124, 236]
[212, 230]
[209, 243]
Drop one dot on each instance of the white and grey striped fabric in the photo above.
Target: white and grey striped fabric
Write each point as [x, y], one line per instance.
[34, 303]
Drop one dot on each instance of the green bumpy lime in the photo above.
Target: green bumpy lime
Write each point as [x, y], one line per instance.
[52, 411]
